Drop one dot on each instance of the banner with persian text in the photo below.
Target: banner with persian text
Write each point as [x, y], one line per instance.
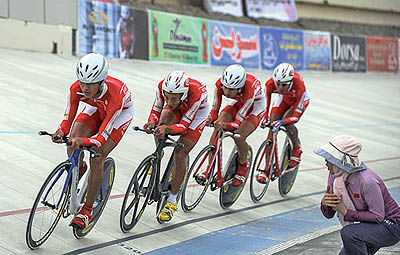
[234, 43]
[280, 45]
[283, 10]
[178, 38]
[382, 54]
[232, 7]
[317, 50]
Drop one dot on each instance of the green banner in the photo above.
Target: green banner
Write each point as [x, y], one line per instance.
[178, 38]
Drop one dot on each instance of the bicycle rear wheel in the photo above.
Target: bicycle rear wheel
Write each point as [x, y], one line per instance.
[45, 213]
[101, 199]
[228, 193]
[193, 192]
[286, 180]
[258, 190]
[137, 194]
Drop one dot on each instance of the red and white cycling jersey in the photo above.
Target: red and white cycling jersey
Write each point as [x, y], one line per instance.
[195, 101]
[249, 95]
[114, 99]
[297, 97]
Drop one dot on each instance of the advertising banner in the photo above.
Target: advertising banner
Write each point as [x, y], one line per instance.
[317, 50]
[281, 45]
[348, 53]
[232, 7]
[283, 10]
[178, 38]
[234, 43]
[112, 30]
[382, 54]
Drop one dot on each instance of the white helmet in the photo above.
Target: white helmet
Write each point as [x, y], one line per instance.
[92, 68]
[283, 73]
[233, 77]
[176, 82]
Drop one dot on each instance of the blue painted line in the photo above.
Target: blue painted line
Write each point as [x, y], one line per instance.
[258, 234]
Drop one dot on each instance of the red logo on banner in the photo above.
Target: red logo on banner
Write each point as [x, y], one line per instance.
[233, 44]
[382, 54]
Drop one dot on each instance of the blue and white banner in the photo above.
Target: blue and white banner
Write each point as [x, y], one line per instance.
[234, 43]
[279, 46]
[317, 50]
[97, 27]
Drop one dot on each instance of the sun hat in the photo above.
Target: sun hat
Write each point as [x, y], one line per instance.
[342, 151]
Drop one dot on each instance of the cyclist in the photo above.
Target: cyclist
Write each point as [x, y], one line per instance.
[291, 101]
[244, 113]
[103, 121]
[180, 107]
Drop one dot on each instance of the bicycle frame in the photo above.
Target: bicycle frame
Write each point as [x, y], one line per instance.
[217, 155]
[76, 196]
[274, 154]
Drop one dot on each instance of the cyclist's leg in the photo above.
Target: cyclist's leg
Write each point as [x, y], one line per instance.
[249, 124]
[85, 125]
[121, 124]
[294, 136]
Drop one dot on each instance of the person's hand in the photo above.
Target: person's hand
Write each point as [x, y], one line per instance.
[76, 142]
[276, 124]
[161, 131]
[340, 207]
[330, 199]
[264, 122]
[219, 125]
[209, 120]
[148, 127]
[57, 136]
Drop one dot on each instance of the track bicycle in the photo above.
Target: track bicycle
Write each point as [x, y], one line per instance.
[275, 166]
[146, 185]
[62, 195]
[195, 187]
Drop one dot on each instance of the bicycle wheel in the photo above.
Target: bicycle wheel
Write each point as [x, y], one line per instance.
[258, 190]
[228, 193]
[137, 194]
[286, 180]
[47, 208]
[193, 192]
[101, 199]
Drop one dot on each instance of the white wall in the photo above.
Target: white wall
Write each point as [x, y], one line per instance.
[35, 36]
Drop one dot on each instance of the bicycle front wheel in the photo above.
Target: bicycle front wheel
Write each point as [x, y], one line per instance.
[48, 207]
[137, 194]
[101, 198]
[258, 190]
[193, 191]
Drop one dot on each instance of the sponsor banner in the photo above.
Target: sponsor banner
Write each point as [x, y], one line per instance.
[317, 50]
[232, 7]
[382, 54]
[281, 45]
[234, 43]
[284, 10]
[348, 53]
[178, 38]
[111, 30]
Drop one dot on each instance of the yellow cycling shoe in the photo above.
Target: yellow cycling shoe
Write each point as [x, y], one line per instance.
[167, 212]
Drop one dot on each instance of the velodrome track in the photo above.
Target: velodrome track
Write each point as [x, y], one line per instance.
[33, 97]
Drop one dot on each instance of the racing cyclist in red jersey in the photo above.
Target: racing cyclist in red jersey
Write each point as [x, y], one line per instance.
[180, 107]
[107, 114]
[289, 104]
[244, 113]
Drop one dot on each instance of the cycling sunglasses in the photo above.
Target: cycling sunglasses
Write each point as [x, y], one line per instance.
[283, 84]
